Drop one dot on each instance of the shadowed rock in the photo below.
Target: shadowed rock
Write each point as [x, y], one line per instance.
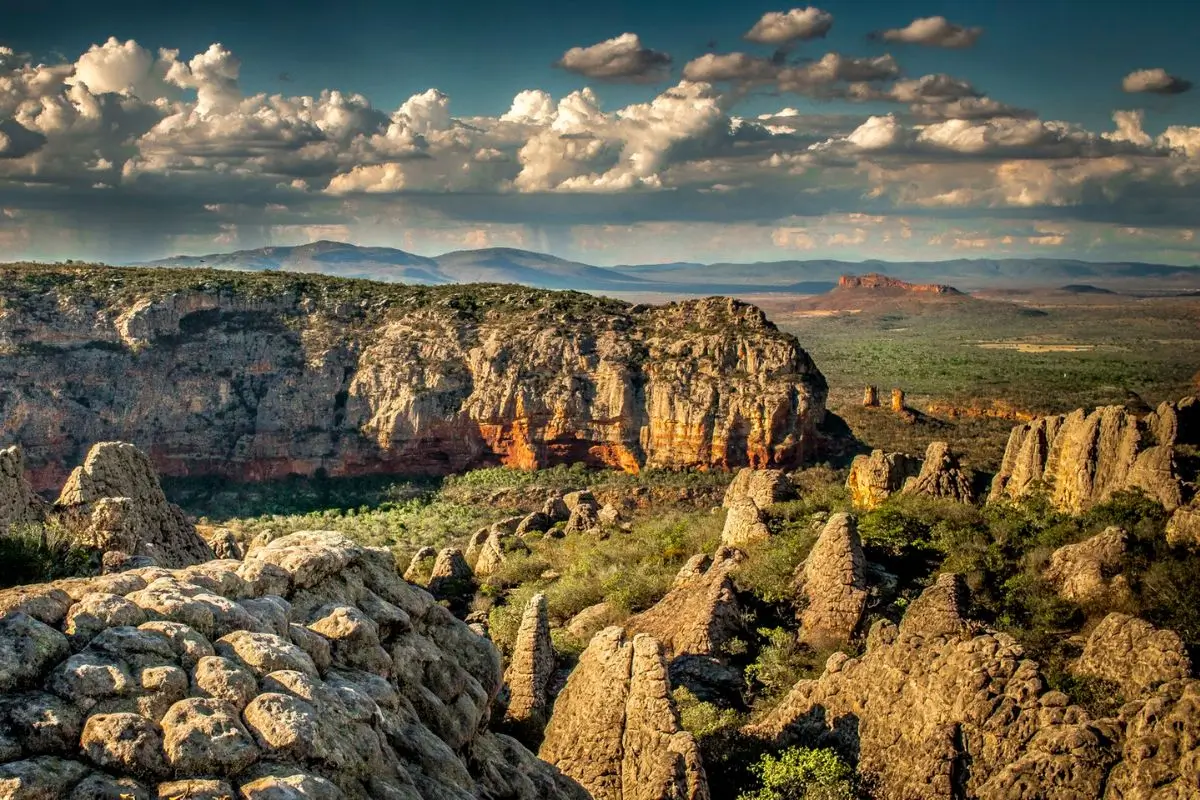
[528, 673]
[615, 730]
[941, 476]
[18, 502]
[1133, 654]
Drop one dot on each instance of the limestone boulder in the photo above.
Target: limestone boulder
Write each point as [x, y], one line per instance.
[745, 524]
[1083, 458]
[376, 691]
[531, 666]
[700, 613]
[941, 476]
[762, 487]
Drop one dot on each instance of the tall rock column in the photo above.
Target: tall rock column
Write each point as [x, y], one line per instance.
[528, 674]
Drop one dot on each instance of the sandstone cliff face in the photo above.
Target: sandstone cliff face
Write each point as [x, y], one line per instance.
[309, 670]
[615, 729]
[1083, 458]
[254, 377]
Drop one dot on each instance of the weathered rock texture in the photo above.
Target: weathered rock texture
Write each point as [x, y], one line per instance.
[944, 708]
[309, 670]
[615, 729]
[1081, 459]
[941, 476]
[260, 376]
[1183, 528]
[528, 673]
[1133, 654]
[117, 487]
[877, 477]
[700, 613]
[832, 584]
[763, 487]
[18, 502]
[751, 492]
[1088, 572]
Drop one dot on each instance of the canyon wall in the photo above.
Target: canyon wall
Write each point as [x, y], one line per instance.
[257, 376]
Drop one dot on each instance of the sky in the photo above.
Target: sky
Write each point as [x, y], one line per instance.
[622, 132]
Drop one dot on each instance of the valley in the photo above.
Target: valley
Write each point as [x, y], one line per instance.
[402, 540]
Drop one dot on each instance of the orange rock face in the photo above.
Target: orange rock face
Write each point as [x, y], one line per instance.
[258, 382]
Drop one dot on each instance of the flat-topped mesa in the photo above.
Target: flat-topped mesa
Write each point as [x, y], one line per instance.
[258, 376]
[308, 670]
[1083, 458]
[875, 280]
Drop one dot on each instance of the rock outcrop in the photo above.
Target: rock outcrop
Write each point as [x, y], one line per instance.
[930, 712]
[941, 476]
[308, 670]
[528, 673]
[877, 477]
[832, 584]
[118, 489]
[1088, 572]
[748, 495]
[258, 376]
[763, 487]
[452, 577]
[1083, 458]
[1183, 528]
[18, 502]
[700, 613]
[615, 729]
[1133, 654]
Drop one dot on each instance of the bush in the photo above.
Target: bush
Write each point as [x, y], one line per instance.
[769, 569]
[782, 661]
[35, 553]
[803, 773]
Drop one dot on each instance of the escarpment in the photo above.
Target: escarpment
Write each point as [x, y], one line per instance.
[1082, 458]
[258, 376]
[308, 670]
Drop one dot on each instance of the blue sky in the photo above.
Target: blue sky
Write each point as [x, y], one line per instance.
[1044, 166]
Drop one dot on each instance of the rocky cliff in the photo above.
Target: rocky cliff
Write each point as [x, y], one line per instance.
[308, 670]
[258, 376]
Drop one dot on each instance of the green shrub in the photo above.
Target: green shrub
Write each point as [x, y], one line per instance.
[34, 553]
[782, 661]
[769, 569]
[803, 773]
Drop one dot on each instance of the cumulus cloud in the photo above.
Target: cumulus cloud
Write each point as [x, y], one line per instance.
[1156, 81]
[619, 59]
[932, 32]
[716, 68]
[782, 28]
[833, 68]
[532, 106]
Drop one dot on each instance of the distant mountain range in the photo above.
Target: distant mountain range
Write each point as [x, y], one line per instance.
[507, 265]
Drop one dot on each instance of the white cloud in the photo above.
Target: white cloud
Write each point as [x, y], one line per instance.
[1156, 81]
[622, 58]
[933, 32]
[714, 68]
[532, 106]
[781, 28]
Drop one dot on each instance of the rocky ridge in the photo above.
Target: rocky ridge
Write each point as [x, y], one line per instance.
[1082, 458]
[260, 376]
[308, 670]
